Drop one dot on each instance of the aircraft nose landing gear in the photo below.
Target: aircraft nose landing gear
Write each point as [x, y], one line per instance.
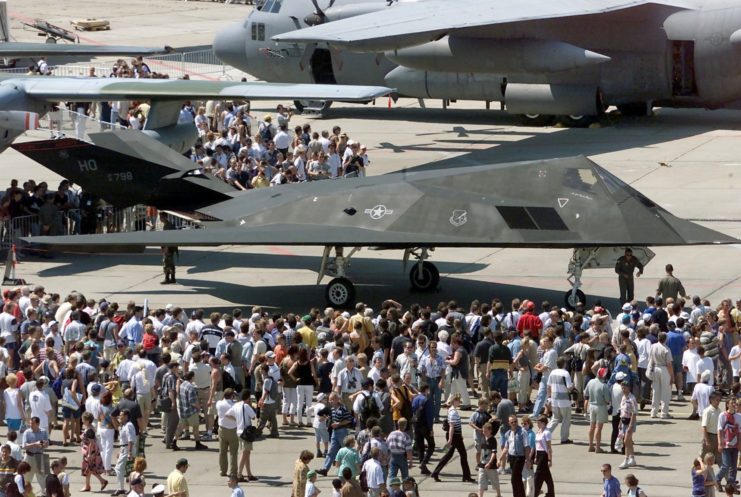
[340, 291]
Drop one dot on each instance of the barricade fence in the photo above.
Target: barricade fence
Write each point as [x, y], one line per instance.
[101, 220]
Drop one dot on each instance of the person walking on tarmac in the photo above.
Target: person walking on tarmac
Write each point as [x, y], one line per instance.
[168, 252]
[625, 267]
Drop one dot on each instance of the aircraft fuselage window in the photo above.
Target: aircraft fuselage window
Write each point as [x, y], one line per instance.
[272, 6]
[258, 31]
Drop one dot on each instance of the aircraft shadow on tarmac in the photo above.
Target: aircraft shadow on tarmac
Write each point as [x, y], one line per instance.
[617, 133]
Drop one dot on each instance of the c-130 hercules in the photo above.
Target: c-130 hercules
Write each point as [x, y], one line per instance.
[565, 59]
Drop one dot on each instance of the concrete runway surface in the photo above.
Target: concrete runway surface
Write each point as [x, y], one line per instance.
[702, 150]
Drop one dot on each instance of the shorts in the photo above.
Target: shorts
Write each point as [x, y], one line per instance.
[488, 477]
[13, 424]
[191, 421]
[144, 400]
[597, 414]
[244, 445]
[321, 435]
[68, 413]
[677, 362]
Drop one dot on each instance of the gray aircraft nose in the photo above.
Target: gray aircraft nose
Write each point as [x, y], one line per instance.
[229, 45]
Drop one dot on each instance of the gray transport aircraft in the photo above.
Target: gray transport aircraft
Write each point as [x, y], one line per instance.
[558, 203]
[540, 59]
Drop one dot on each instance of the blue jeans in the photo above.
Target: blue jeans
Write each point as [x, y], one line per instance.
[436, 393]
[396, 463]
[498, 381]
[542, 394]
[728, 457]
[335, 444]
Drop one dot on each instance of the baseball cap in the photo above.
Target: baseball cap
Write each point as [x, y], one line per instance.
[531, 305]
[395, 481]
[599, 310]
[311, 474]
[602, 372]
[53, 323]
[306, 318]
[620, 376]
[96, 388]
[270, 354]
[627, 307]
[182, 462]
[321, 397]
[158, 489]
[705, 376]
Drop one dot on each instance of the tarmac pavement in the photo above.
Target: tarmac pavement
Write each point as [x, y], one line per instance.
[700, 150]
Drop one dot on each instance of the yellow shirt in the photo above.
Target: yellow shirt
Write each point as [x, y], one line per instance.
[308, 336]
[176, 483]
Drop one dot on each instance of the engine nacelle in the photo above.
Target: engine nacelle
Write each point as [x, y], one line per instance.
[19, 120]
[448, 85]
[520, 56]
[556, 100]
[179, 137]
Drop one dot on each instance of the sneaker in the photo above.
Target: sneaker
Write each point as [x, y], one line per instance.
[624, 465]
[680, 398]
[666, 416]
[567, 441]
[424, 470]
[653, 414]
[207, 437]
[322, 472]
[632, 462]
[200, 446]
[319, 453]
[693, 417]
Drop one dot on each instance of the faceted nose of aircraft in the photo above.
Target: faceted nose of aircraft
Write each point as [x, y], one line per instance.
[230, 45]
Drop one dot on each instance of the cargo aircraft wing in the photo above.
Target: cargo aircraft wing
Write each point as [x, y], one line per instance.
[405, 24]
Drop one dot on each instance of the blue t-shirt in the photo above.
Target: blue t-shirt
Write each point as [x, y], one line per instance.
[611, 487]
[698, 482]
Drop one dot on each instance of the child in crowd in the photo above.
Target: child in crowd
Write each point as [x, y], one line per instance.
[336, 486]
[311, 490]
[319, 422]
[478, 419]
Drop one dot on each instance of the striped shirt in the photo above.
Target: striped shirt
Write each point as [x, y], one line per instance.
[560, 384]
[187, 400]
[454, 419]
[341, 414]
[400, 442]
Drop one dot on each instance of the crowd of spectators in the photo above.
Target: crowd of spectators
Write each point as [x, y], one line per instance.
[249, 153]
[365, 389]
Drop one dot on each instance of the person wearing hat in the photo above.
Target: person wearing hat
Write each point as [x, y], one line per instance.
[616, 394]
[530, 321]
[308, 334]
[311, 490]
[396, 491]
[625, 266]
[158, 490]
[137, 487]
[177, 485]
[596, 399]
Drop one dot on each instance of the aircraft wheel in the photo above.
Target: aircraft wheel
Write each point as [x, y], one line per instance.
[425, 280]
[51, 40]
[320, 105]
[537, 120]
[571, 302]
[574, 121]
[635, 109]
[340, 292]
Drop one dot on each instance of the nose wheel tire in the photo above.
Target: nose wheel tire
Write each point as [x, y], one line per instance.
[425, 279]
[537, 120]
[570, 300]
[340, 292]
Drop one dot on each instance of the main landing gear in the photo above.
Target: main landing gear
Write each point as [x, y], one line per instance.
[594, 258]
[340, 291]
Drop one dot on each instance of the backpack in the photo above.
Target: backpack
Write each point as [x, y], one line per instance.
[227, 381]
[729, 430]
[273, 392]
[266, 132]
[57, 387]
[418, 416]
[475, 330]
[369, 408]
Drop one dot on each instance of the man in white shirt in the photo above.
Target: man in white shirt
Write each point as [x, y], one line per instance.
[244, 416]
[228, 439]
[704, 364]
[374, 473]
[348, 382]
[559, 390]
[690, 357]
[40, 404]
[701, 395]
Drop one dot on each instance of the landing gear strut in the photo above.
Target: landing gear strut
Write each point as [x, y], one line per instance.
[424, 276]
[339, 292]
[594, 258]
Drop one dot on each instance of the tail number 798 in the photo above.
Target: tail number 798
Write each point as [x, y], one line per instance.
[122, 176]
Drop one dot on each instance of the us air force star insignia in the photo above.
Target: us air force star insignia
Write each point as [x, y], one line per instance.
[378, 212]
[459, 218]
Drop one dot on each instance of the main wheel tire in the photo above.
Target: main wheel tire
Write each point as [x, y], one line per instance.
[301, 105]
[340, 292]
[573, 121]
[537, 120]
[425, 280]
[570, 302]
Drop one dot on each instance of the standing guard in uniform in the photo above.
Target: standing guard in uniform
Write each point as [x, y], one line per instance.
[625, 267]
[168, 252]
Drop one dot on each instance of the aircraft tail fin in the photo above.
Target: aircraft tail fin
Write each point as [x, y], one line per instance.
[128, 168]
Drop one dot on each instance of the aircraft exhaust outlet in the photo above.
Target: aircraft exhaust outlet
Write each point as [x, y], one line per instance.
[18, 120]
[557, 100]
[522, 56]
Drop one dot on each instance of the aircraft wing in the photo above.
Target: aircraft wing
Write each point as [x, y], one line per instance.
[559, 203]
[55, 89]
[413, 23]
[22, 49]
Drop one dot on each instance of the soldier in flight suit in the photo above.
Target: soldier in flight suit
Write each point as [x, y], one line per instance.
[625, 267]
[168, 253]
